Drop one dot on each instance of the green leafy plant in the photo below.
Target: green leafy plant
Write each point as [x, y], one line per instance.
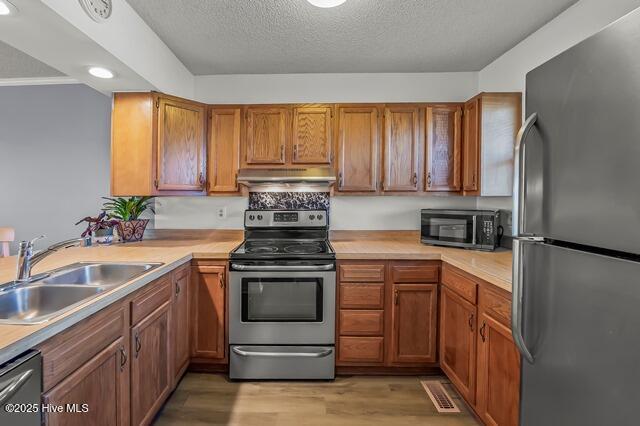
[126, 209]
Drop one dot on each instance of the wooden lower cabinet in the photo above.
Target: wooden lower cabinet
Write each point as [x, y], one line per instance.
[150, 365]
[100, 388]
[208, 289]
[458, 342]
[180, 322]
[498, 373]
[413, 319]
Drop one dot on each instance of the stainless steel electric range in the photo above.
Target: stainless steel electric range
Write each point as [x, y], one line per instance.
[282, 287]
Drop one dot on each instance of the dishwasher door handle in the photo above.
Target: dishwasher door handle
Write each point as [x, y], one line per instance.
[14, 386]
[321, 354]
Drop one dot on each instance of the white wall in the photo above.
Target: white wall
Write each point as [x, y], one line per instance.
[54, 158]
[300, 88]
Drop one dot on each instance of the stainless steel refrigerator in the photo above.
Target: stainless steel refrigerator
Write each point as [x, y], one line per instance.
[576, 283]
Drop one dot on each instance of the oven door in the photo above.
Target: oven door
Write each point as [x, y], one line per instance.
[282, 307]
[449, 229]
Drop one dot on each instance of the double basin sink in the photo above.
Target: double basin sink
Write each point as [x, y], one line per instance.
[57, 292]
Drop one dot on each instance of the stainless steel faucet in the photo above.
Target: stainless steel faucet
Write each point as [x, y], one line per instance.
[26, 258]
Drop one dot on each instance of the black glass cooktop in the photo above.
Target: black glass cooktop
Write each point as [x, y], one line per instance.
[283, 248]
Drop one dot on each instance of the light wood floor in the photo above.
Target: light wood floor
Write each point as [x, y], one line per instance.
[208, 399]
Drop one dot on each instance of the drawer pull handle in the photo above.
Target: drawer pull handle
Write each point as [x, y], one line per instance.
[138, 344]
[471, 322]
[395, 297]
[177, 289]
[123, 358]
[482, 331]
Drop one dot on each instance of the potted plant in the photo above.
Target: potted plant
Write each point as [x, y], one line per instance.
[99, 227]
[128, 211]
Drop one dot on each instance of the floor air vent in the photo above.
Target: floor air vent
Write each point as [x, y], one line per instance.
[439, 397]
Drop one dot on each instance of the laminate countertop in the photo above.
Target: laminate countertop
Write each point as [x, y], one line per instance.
[175, 247]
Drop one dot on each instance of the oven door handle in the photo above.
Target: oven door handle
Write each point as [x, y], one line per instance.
[321, 354]
[240, 267]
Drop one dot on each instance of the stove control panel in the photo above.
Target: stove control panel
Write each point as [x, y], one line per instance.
[286, 219]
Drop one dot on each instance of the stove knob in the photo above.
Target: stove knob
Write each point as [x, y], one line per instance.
[251, 217]
[312, 216]
[319, 217]
[259, 217]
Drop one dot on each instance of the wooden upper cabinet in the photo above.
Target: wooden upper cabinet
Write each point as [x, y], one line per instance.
[414, 318]
[358, 147]
[224, 149]
[458, 320]
[443, 153]
[158, 145]
[267, 131]
[311, 140]
[498, 383]
[491, 123]
[402, 148]
[181, 145]
[208, 312]
[471, 146]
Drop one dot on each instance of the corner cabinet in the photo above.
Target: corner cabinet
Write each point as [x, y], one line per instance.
[490, 124]
[158, 145]
[477, 352]
[358, 148]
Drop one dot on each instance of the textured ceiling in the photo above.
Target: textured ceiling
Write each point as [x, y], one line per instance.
[292, 36]
[16, 64]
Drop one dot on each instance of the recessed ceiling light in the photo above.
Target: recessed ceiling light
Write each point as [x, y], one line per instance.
[100, 72]
[6, 8]
[326, 3]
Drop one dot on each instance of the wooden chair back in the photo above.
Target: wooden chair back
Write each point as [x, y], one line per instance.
[7, 235]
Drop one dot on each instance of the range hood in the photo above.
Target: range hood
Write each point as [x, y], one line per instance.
[292, 179]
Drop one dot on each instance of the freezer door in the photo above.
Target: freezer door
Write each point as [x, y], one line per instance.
[581, 322]
[583, 153]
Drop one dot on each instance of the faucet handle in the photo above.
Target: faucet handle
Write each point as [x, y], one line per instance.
[36, 239]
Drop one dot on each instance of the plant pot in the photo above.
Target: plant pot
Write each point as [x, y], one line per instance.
[103, 236]
[132, 230]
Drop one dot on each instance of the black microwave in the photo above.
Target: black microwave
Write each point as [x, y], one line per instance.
[471, 229]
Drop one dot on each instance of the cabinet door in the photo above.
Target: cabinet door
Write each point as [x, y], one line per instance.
[150, 365]
[498, 374]
[181, 146]
[471, 145]
[358, 147]
[102, 383]
[312, 135]
[402, 146]
[413, 318]
[208, 310]
[458, 342]
[266, 135]
[224, 149]
[444, 129]
[180, 321]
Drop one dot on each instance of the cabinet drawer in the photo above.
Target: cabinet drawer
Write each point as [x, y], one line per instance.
[361, 296]
[459, 283]
[361, 350]
[362, 272]
[361, 323]
[429, 273]
[69, 350]
[496, 305]
[152, 297]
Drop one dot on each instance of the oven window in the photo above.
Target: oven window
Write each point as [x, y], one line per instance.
[458, 229]
[282, 300]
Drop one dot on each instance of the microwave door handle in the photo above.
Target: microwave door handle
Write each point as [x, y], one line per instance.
[475, 224]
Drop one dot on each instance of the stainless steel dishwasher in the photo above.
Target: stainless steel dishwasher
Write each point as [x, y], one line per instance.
[20, 390]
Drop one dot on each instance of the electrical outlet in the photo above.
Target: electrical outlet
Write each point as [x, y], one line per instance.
[222, 213]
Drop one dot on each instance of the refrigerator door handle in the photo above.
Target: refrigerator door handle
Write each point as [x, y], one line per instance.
[519, 179]
[516, 295]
